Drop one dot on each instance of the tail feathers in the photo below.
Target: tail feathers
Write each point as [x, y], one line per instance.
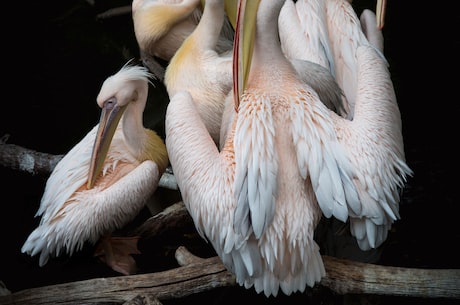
[44, 257]
[36, 244]
[46, 242]
[270, 282]
[368, 234]
[246, 262]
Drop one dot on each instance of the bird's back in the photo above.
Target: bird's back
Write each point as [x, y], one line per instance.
[276, 132]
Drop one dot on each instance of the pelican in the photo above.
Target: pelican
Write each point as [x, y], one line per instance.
[103, 182]
[199, 69]
[288, 159]
[314, 31]
[202, 64]
[161, 26]
[344, 36]
[306, 48]
[196, 40]
[356, 166]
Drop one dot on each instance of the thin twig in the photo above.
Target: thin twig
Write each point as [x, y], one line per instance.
[114, 12]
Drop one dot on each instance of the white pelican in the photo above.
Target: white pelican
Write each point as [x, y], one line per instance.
[306, 49]
[200, 64]
[356, 167]
[161, 26]
[328, 33]
[287, 160]
[199, 69]
[343, 35]
[103, 182]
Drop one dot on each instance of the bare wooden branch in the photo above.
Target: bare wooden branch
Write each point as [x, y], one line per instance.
[171, 284]
[343, 277]
[27, 160]
[173, 217]
[143, 300]
[114, 12]
[184, 257]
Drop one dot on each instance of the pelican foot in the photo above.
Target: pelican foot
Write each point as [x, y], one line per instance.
[116, 252]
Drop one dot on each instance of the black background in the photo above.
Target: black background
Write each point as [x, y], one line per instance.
[57, 54]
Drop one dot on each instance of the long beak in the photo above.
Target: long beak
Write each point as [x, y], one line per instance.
[110, 117]
[380, 13]
[231, 7]
[243, 46]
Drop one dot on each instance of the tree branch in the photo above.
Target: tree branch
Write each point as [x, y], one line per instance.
[173, 217]
[26, 160]
[175, 283]
[114, 12]
[345, 276]
[199, 275]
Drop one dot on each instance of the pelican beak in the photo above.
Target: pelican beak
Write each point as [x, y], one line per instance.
[231, 7]
[380, 13]
[110, 117]
[243, 46]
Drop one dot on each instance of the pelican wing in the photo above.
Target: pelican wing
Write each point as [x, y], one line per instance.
[321, 160]
[356, 165]
[70, 174]
[303, 32]
[345, 36]
[205, 179]
[256, 166]
[371, 137]
[192, 154]
[374, 145]
[305, 42]
[90, 214]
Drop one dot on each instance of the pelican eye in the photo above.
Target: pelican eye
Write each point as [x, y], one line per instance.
[110, 103]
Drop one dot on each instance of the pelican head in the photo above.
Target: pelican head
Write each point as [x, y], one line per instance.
[160, 26]
[119, 93]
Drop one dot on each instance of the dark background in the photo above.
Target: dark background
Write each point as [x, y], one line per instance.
[56, 56]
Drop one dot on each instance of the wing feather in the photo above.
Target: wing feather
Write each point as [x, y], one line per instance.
[373, 143]
[318, 151]
[256, 167]
[69, 174]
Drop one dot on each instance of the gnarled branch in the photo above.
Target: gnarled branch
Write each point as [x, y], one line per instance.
[199, 275]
